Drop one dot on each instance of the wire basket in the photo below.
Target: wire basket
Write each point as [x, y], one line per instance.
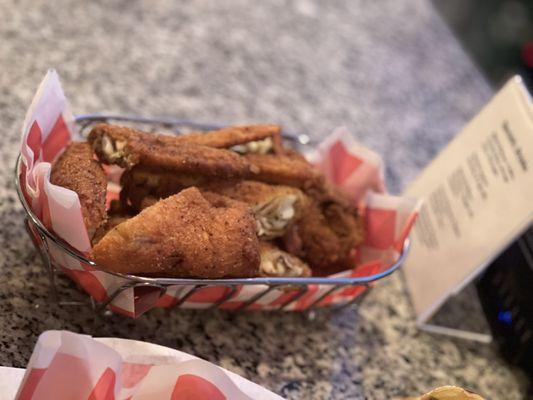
[237, 294]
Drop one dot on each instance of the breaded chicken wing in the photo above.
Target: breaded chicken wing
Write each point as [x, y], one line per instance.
[275, 207]
[248, 138]
[184, 235]
[143, 186]
[77, 170]
[187, 158]
[328, 235]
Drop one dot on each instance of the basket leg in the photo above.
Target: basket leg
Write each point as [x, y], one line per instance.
[44, 252]
[101, 307]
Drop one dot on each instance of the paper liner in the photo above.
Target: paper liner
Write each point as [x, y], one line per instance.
[49, 127]
[66, 365]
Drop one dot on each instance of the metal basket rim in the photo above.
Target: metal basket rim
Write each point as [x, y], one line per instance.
[189, 281]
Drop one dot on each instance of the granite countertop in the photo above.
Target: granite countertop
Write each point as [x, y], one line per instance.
[390, 71]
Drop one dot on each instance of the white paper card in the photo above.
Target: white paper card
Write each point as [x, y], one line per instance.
[478, 197]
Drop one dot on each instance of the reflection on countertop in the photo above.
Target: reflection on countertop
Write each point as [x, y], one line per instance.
[389, 70]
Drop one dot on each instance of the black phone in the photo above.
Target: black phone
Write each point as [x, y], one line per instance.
[506, 294]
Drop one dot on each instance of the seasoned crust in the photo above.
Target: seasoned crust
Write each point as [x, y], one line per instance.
[289, 169]
[77, 170]
[128, 148]
[110, 142]
[261, 138]
[327, 236]
[184, 235]
[275, 207]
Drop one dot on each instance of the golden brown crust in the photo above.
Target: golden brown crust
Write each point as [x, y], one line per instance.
[329, 233]
[77, 170]
[189, 158]
[287, 169]
[224, 138]
[252, 192]
[140, 182]
[233, 136]
[143, 186]
[112, 221]
[184, 235]
[127, 148]
[275, 207]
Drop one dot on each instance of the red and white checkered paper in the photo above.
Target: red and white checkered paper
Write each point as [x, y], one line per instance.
[66, 365]
[49, 127]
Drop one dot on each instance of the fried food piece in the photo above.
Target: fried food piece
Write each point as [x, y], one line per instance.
[275, 207]
[112, 221]
[143, 186]
[77, 170]
[289, 169]
[262, 138]
[278, 263]
[184, 235]
[327, 236]
[127, 148]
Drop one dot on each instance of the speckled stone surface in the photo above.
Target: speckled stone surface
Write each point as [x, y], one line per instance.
[389, 70]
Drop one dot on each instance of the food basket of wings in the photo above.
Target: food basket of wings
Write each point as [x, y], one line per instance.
[146, 213]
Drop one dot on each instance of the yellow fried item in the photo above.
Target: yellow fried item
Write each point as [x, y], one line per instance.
[77, 170]
[184, 235]
[278, 263]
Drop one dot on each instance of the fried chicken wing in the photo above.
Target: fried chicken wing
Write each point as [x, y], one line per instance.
[328, 235]
[275, 207]
[77, 170]
[287, 169]
[143, 186]
[278, 263]
[187, 158]
[184, 235]
[262, 138]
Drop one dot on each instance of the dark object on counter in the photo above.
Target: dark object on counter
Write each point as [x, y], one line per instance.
[506, 294]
